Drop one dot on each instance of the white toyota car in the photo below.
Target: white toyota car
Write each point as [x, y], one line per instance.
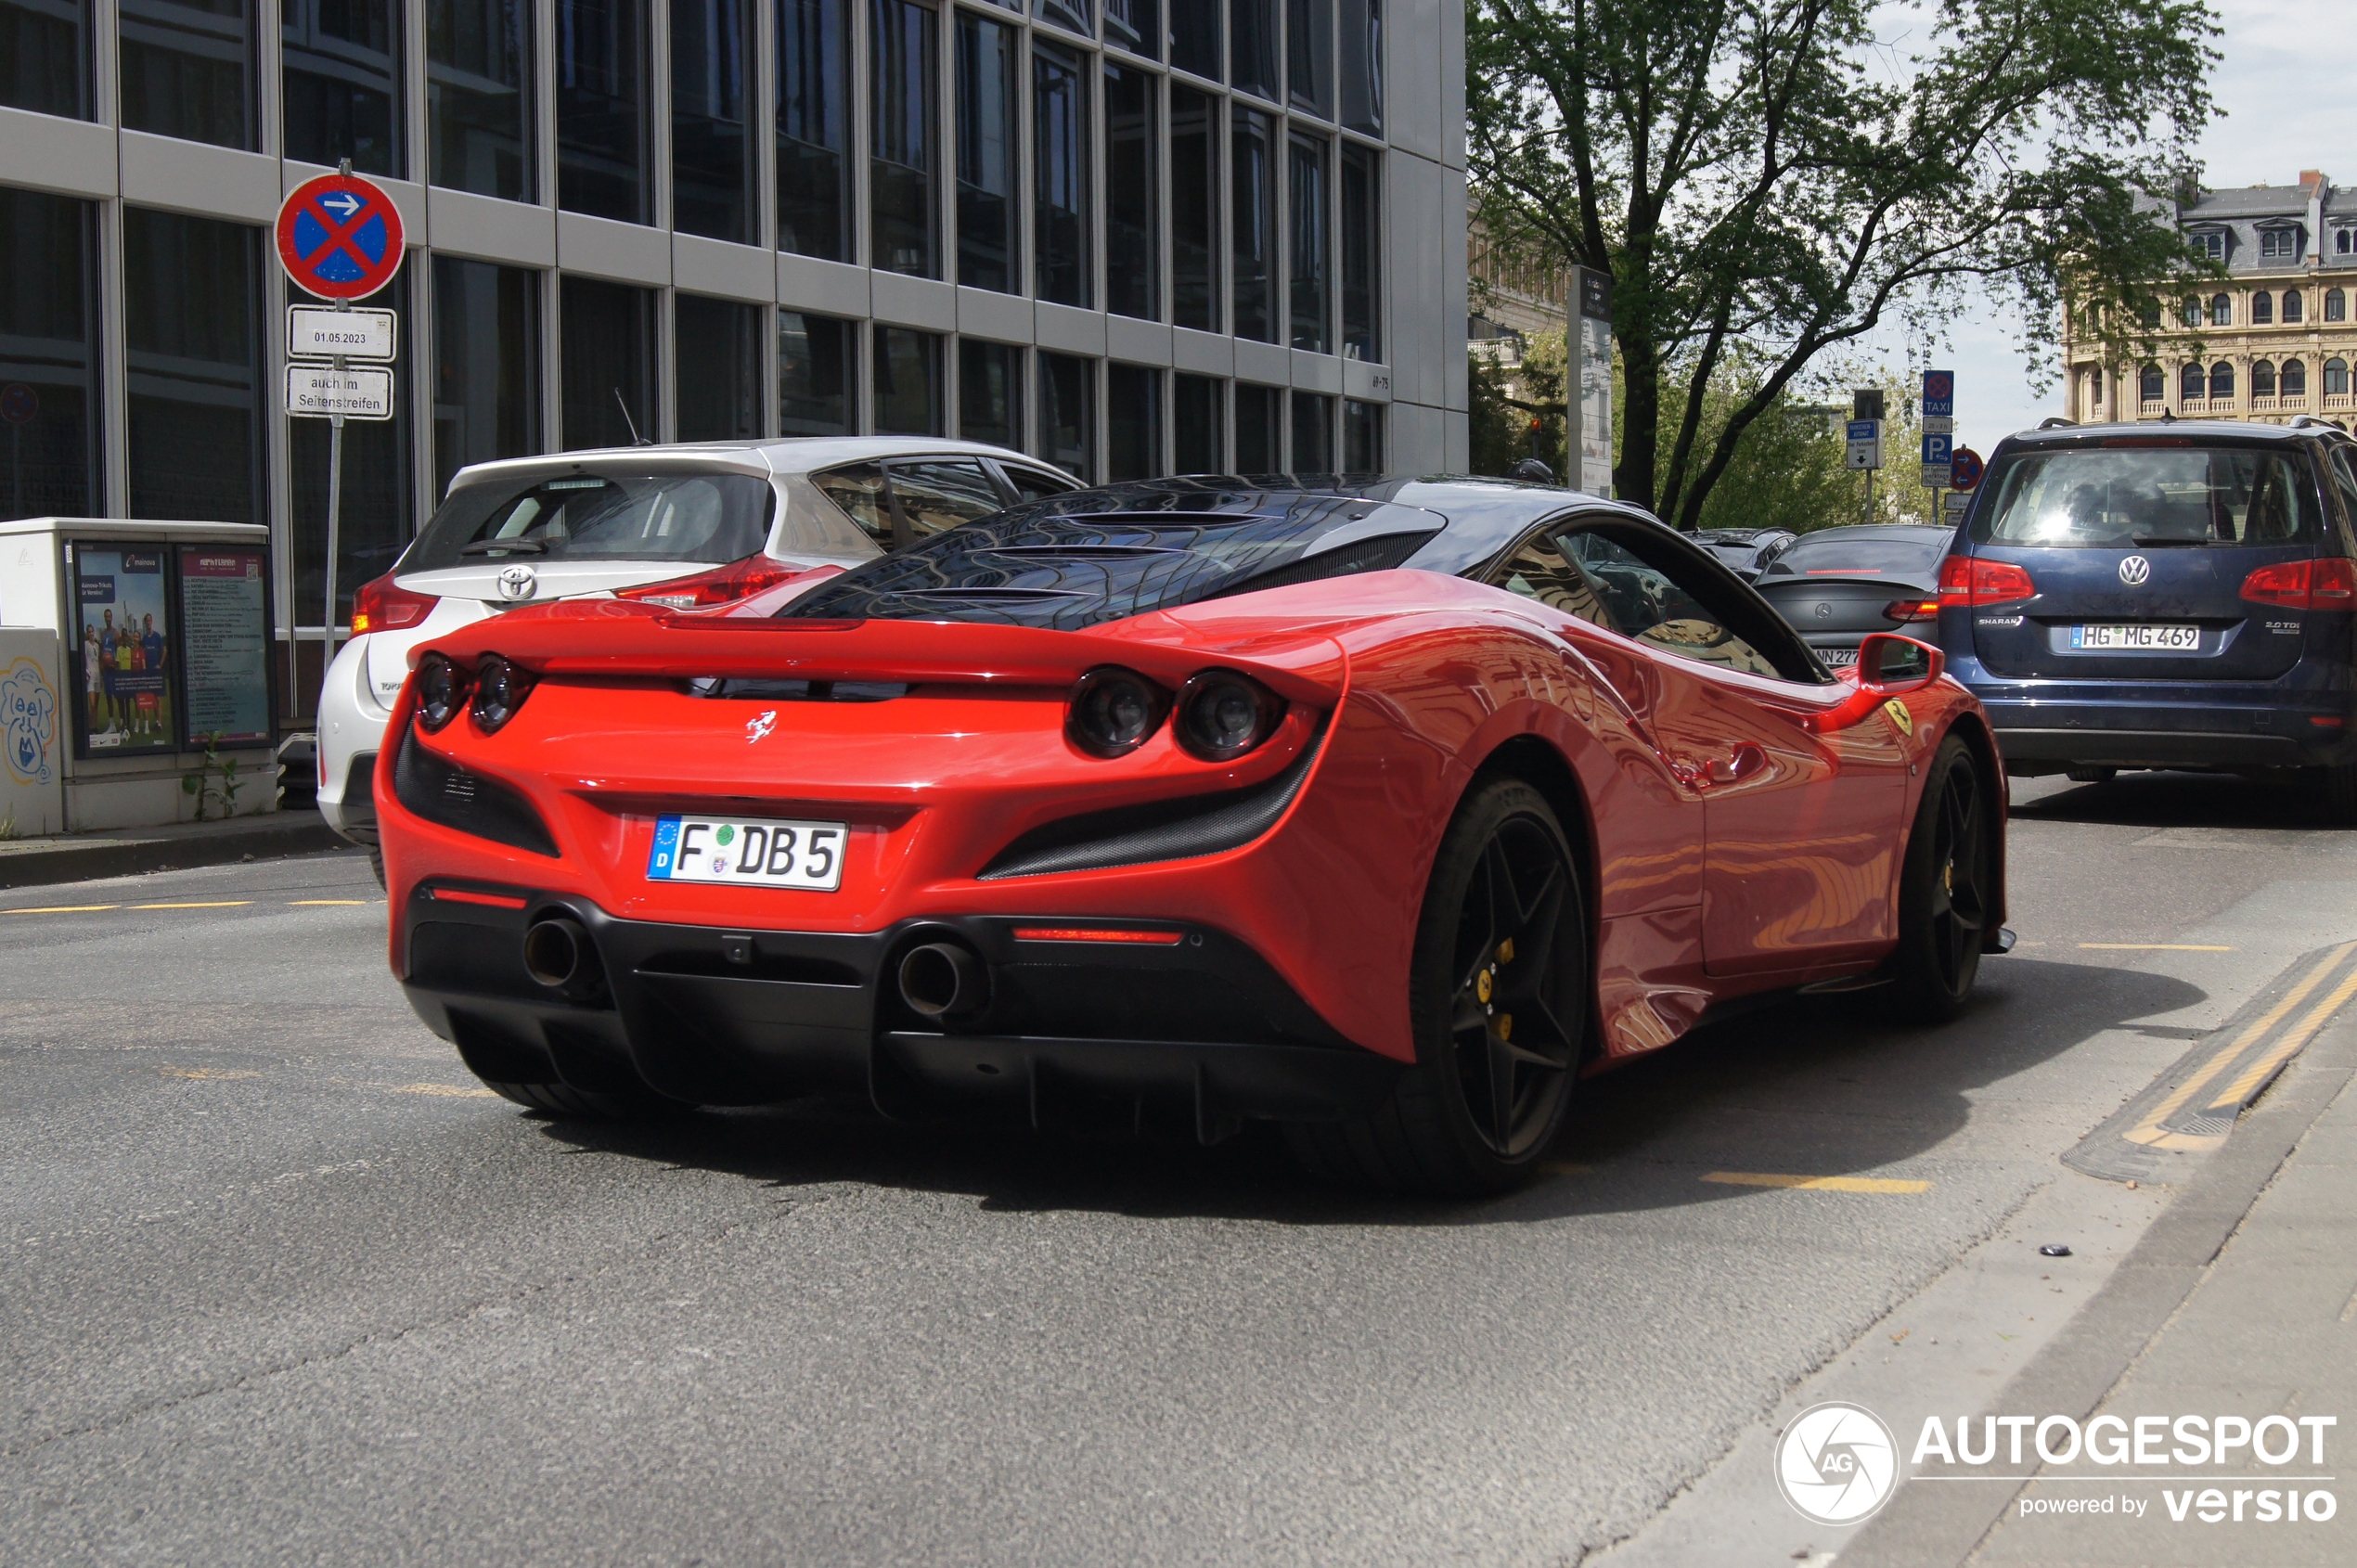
[689, 525]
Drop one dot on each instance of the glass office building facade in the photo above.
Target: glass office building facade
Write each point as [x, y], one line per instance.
[1131, 237]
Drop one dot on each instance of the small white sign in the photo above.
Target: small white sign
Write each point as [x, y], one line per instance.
[1936, 476]
[1940, 424]
[1864, 445]
[315, 333]
[320, 390]
[1956, 500]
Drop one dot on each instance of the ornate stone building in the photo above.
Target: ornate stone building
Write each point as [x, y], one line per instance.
[2277, 337]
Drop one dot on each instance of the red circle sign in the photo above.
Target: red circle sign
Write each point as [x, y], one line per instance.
[1963, 468]
[339, 236]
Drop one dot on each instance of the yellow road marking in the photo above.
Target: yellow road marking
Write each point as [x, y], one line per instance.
[62, 909]
[1819, 1184]
[2151, 1131]
[317, 903]
[205, 1073]
[2152, 947]
[2281, 1052]
[221, 904]
[450, 1090]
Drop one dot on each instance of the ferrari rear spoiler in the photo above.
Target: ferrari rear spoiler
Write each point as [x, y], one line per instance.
[614, 639]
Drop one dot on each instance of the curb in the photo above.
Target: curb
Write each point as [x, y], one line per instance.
[132, 852]
[2072, 1375]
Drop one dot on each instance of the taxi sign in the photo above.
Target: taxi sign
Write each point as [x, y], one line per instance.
[338, 237]
[1939, 391]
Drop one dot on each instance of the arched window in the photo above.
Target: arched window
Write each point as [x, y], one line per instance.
[2095, 388]
[2192, 310]
[2292, 378]
[2293, 310]
[2336, 305]
[2153, 385]
[2263, 308]
[2222, 382]
[2262, 378]
[2191, 384]
[2221, 311]
[2336, 378]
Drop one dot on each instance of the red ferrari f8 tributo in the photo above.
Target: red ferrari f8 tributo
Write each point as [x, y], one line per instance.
[1384, 811]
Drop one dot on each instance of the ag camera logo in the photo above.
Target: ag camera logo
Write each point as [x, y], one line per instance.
[1836, 1463]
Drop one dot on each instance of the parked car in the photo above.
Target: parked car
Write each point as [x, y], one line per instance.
[682, 527]
[1375, 809]
[1837, 584]
[2172, 594]
[1745, 551]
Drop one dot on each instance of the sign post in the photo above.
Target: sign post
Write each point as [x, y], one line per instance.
[339, 239]
[1940, 432]
[1865, 437]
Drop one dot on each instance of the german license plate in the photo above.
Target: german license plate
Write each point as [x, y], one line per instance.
[752, 852]
[2144, 637]
[1838, 658]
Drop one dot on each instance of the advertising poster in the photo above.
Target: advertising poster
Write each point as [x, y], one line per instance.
[225, 638]
[122, 666]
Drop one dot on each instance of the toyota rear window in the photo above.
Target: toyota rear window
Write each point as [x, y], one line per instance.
[645, 515]
[2139, 497]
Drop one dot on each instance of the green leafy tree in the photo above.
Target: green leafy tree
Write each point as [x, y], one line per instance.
[1772, 177]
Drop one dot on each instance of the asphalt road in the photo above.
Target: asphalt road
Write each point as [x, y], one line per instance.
[279, 1283]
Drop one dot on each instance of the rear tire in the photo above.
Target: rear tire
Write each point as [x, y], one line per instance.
[564, 1102]
[2091, 775]
[1944, 890]
[1498, 1000]
[2340, 796]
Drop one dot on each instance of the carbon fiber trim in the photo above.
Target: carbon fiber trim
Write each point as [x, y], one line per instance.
[1139, 835]
[466, 803]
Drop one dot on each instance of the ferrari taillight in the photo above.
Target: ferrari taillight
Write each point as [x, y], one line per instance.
[384, 606]
[441, 691]
[1112, 711]
[723, 584]
[500, 688]
[1223, 715]
[2326, 583]
[1969, 580]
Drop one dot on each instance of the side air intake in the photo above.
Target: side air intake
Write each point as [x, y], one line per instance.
[466, 803]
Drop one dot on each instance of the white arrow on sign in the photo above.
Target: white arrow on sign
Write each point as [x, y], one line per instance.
[342, 203]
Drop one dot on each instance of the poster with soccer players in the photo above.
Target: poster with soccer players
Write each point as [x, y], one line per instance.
[123, 689]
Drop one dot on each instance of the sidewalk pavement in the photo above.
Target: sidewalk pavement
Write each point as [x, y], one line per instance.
[2240, 1301]
[122, 852]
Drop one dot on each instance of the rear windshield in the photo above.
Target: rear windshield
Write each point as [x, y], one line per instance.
[647, 515]
[1830, 555]
[2139, 496]
[1037, 566]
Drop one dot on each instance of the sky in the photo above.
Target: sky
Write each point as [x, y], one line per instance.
[2284, 79]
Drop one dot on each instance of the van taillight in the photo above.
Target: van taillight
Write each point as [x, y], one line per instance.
[2327, 583]
[1968, 580]
[726, 584]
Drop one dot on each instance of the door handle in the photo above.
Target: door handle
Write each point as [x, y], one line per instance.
[1747, 759]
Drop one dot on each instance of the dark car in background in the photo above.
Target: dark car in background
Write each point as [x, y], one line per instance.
[1747, 552]
[2173, 595]
[1836, 584]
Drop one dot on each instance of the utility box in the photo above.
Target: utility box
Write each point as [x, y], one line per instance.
[158, 640]
[32, 745]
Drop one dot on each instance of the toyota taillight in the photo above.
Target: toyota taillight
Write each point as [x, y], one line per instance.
[383, 606]
[2326, 583]
[722, 585]
[1969, 580]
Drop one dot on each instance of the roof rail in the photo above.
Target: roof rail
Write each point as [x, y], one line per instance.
[2309, 422]
[2058, 422]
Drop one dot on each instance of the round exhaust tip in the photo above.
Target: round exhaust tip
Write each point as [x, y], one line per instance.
[943, 979]
[555, 953]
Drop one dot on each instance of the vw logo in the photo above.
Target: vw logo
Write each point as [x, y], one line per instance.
[1836, 1463]
[520, 582]
[2134, 571]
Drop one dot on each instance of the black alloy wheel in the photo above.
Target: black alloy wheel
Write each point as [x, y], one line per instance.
[1499, 997]
[1945, 891]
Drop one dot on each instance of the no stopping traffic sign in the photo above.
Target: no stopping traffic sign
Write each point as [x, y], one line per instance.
[339, 236]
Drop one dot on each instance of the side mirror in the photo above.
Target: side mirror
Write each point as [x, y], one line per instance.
[1889, 665]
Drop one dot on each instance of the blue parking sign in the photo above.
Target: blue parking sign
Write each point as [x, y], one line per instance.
[1939, 450]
